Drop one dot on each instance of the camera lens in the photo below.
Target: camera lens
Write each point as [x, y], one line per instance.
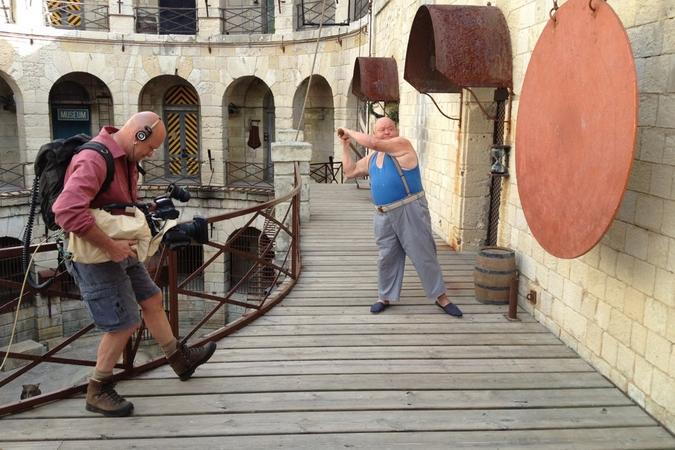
[183, 234]
[179, 193]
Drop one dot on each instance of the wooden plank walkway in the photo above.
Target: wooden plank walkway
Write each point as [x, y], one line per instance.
[320, 372]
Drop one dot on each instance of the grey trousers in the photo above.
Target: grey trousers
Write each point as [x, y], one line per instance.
[406, 231]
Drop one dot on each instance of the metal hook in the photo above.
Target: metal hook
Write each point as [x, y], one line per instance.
[554, 10]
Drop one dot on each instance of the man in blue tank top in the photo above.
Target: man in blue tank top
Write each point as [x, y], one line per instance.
[402, 224]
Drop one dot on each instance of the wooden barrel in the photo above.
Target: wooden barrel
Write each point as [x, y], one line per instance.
[495, 268]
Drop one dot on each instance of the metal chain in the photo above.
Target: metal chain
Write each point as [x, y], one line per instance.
[553, 10]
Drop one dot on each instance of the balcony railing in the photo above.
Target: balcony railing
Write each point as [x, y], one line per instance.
[360, 9]
[6, 11]
[158, 172]
[12, 177]
[247, 20]
[160, 20]
[309, 14]
[330, 172]
[77, 14]
[272, 267]
[250, 175]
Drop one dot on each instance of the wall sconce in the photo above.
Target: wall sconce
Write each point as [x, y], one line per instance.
[232, 109]
[7, 102]
[500, 160]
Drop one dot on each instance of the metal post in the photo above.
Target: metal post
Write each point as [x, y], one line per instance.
[173, 292]
[513, 298]
[128, 356]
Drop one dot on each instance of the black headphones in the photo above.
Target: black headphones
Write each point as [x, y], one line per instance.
[146, 132]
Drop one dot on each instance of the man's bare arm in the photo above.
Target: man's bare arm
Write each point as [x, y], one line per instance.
[395, 146]
[350, 168]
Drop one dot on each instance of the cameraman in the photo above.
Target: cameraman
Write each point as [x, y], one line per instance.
[112, 291]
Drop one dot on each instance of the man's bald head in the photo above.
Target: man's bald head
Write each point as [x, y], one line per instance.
[142, 119]
[141, 134]
[385, 128]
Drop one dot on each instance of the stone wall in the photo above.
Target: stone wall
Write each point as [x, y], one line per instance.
[615, 305]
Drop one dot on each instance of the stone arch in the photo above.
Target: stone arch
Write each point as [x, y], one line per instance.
[249, 240]
[10, 269]
[11, 135]
[250, 114]
[79, 102]
[176, 100]
[318, 123]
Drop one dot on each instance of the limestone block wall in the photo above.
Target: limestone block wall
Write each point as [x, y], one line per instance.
[615, 305]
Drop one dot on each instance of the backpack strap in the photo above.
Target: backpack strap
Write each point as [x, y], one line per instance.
[110, 163]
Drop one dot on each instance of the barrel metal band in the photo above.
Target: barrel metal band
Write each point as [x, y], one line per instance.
[496, 272]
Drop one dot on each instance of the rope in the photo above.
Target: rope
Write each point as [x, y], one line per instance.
[311, 74]
[18, 307]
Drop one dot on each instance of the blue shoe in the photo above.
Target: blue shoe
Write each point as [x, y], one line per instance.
[451, 309]
[378, 307]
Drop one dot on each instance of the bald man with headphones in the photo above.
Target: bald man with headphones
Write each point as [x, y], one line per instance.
[113, 291]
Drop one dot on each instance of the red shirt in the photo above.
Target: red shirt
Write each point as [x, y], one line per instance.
[84, 177]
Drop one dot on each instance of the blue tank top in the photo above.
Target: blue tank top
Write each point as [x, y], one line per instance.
[385, 183]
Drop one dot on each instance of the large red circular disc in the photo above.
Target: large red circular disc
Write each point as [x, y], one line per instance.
[576, 128]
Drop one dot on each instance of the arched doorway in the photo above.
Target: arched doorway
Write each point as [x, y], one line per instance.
[11, 269]
[79, 103]
[177, 102]
[252, 242]
[318, 121]
[249, 103]
[181, 117]
[11, 169]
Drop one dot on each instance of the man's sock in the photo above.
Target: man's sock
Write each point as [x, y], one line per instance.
[100, 375]
[170, 347]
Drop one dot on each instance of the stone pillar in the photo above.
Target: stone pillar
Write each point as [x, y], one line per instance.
[475, 140]
[209, 19]
[284, 19]
[121, 17]
[212, 139]
[284, 155]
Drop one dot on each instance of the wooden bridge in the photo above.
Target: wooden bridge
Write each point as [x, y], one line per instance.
[320, 372]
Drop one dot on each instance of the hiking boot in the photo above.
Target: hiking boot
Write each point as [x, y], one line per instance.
[185, 360]
[102, 398]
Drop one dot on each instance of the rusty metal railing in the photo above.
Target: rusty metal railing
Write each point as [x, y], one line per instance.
[309, 12]
[330, 172]
[250, 175]
[273, 269]
[77, 14]
[12, 176]
[157, 172]
[161, 20]
[6, 11]
[247, 19]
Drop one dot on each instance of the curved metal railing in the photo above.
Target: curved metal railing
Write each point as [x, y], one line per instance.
[272, 270]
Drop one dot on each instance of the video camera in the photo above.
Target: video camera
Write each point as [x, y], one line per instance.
[182, 234]
[162, 209]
